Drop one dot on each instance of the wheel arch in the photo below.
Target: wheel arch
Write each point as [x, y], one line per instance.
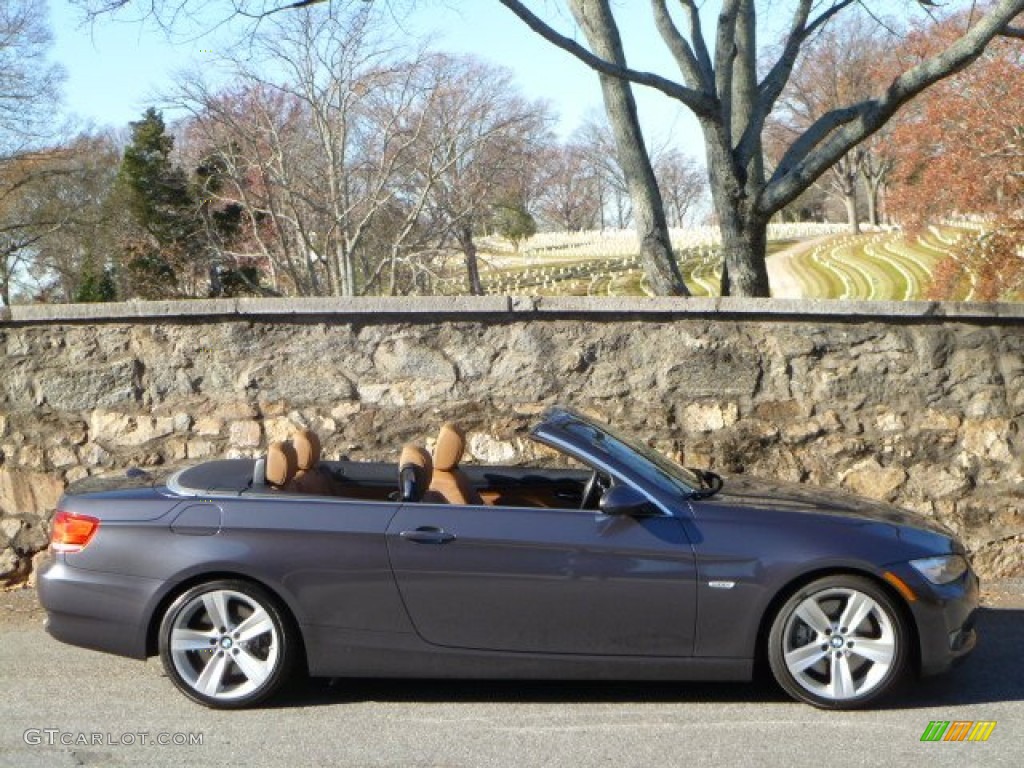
[794, 585]
[157, 614]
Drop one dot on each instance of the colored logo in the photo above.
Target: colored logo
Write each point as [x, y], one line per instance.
[958, 730]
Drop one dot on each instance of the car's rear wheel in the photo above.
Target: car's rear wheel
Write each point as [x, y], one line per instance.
[227, 644]
[838, 643]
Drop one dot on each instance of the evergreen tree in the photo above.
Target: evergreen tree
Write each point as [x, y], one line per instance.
[96, 285]
[163, 257]
[515, 223]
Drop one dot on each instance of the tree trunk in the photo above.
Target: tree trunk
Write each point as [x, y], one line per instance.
[871, 187]
[393, 274]
[648, 209]
[465, 237]
[345, 288]
[348, 282]
[872, 207]
[850, 201]
[744, 250]
[744, 233]
[595, 18]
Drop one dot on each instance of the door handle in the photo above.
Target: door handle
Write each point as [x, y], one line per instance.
[427, 534]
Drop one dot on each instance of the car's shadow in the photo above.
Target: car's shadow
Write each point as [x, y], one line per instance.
[984, 677]
[990, 674]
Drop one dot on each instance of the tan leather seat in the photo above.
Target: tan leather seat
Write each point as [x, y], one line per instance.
[448, 480]
[308, 477]
[415, 470]
[281, 464]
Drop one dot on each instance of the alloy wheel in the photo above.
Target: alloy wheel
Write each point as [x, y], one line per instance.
[225, 644]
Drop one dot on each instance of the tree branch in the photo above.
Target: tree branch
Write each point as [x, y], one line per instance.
[775, 81]
[817, 133]
[1017, 32]
[697, 35]
[700, 103]
[696, 78]
[837, 132]
[725, 52]
[278, 9]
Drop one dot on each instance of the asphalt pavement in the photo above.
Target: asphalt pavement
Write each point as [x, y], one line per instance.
[64, 706]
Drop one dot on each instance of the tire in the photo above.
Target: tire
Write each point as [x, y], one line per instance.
[816, 655]
[227, 644]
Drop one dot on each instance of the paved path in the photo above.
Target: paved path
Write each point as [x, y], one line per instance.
[782, 276]
[46, 685]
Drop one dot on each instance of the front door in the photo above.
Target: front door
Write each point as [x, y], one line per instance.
[545, 580]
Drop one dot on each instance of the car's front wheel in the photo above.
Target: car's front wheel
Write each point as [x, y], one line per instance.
[227, 644]
[838, 643]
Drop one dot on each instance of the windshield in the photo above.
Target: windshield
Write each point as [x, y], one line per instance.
[639, 458]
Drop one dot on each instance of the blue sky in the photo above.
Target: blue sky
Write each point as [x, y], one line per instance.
[116, 68]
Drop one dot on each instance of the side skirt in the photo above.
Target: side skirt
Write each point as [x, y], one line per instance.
[334, 652]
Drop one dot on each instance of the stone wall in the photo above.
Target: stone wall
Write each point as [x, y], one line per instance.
[919, 404]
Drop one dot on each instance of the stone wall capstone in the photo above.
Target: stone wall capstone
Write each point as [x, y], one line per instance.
[914, 403]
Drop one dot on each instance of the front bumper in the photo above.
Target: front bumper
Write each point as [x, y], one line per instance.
[944, 615]
[93, 609]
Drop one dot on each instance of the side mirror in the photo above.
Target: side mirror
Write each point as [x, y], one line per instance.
[627, 501]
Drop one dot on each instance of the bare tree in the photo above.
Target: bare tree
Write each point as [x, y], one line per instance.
[572, 185]
[680, 180]
[317, 154]
[877, 163]
[479, 136]
[81, 241]
[29, 93]
[595, 139]
[841, 65]
[26, 215]
[349, 160]
[682, 183]
[720, 83]
[29, 83]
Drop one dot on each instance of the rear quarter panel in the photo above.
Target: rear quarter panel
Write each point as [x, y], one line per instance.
[326, 559]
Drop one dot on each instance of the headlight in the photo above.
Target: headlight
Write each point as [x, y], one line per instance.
[941, 570]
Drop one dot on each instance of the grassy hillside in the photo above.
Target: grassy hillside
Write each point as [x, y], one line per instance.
[885, 265]
[824, 262]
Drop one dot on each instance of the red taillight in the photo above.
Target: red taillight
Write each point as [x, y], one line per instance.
[70, 532]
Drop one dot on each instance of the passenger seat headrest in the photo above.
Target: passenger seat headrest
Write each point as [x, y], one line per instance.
[281, 463]
[451, 443]
[307, 449]
[415, 470]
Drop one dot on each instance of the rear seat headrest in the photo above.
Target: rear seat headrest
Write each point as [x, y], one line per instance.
[415, 470]
[451, 443]
[307, 449]
[281, 463]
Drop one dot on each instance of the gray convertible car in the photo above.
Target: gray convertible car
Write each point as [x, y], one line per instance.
[242, 574]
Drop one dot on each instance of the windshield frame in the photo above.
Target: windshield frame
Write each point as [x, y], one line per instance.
[598, 444]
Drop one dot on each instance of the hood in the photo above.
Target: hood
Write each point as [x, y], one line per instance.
[752, 492]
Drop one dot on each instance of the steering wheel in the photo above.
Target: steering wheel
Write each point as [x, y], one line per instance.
[592, 491]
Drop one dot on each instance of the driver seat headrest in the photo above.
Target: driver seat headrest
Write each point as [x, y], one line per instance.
[307, 449]
[451, 444]
[281, 464]
[449, 482]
